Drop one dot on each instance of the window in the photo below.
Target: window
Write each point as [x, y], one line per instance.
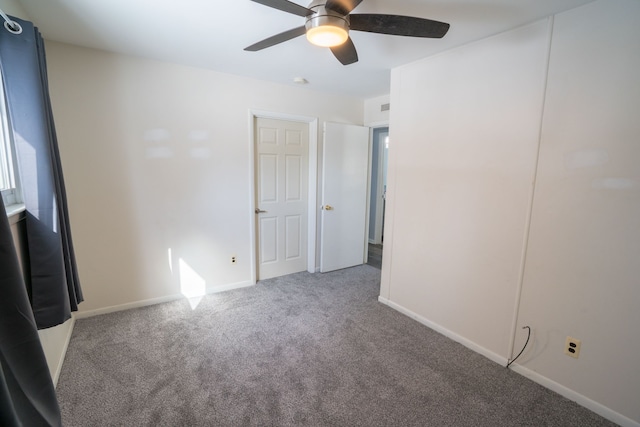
[9, 182]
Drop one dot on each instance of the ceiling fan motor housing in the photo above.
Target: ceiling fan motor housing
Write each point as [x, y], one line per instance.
[324, 17]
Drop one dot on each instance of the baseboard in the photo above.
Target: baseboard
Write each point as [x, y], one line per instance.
[446, 332]
[592, 405]
[230, 287]
[127, 306]
[67, 340]
[154, 301]
[580, 399]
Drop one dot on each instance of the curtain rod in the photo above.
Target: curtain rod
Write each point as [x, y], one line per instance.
[11, 26]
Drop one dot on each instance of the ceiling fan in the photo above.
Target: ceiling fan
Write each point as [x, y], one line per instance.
[328, 23]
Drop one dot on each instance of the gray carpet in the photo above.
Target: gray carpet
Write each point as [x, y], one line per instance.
[297, 350]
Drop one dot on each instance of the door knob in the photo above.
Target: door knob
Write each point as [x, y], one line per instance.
[259, 211]
[327, 207]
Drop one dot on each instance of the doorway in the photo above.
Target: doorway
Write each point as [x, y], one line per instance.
[379, 162]
[313, 205]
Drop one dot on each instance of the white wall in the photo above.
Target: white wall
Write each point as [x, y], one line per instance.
[157, 164]
[13, 8]
[582, 270]
[373, 114]
[466, 129]
[54, 344]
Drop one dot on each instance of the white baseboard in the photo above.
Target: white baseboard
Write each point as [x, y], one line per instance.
[230, 287]
[446, 332]
[127, 306]
[580, 399]
[594, 406]
[154, 301]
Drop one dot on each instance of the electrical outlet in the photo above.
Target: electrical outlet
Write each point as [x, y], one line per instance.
[234, 259]
[572, 347]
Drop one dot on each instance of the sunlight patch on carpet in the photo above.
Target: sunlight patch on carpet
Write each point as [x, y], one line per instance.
[192, 285]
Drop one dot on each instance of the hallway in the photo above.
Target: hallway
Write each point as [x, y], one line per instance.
[375, 256]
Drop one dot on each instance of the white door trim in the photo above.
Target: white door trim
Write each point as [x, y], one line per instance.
[313, 183]
[377, 239]
[377, 226]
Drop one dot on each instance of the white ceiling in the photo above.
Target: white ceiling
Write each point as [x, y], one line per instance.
[213, 33]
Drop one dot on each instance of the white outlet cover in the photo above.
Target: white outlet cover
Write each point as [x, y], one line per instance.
[576, 347]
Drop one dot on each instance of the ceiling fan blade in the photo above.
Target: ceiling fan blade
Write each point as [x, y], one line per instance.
[398, 25]
[346, 52]
[277, 39]
[286, 6]
[343, 7]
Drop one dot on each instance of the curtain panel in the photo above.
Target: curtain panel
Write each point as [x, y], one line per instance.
[52, 279]
[27, 396]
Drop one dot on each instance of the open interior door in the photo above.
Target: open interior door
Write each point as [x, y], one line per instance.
[344, 196]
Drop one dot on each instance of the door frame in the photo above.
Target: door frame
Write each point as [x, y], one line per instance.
[312, 196]
[373, 127]
[377, 224]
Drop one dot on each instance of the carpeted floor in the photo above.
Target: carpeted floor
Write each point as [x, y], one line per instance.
[304, 349]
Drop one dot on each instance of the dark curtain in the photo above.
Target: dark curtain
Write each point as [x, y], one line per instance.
[27, 396]
[54, 288]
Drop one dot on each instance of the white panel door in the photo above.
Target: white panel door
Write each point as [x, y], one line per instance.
[281, 196]
[344, 196]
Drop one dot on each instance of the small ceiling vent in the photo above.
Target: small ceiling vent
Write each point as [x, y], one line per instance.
[385, 107]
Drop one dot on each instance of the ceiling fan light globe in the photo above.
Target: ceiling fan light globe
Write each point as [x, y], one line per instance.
[327, 29]
[327, 35]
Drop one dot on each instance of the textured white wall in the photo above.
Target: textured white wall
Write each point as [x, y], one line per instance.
[466, 128]
[156, 159]
[582, 270]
